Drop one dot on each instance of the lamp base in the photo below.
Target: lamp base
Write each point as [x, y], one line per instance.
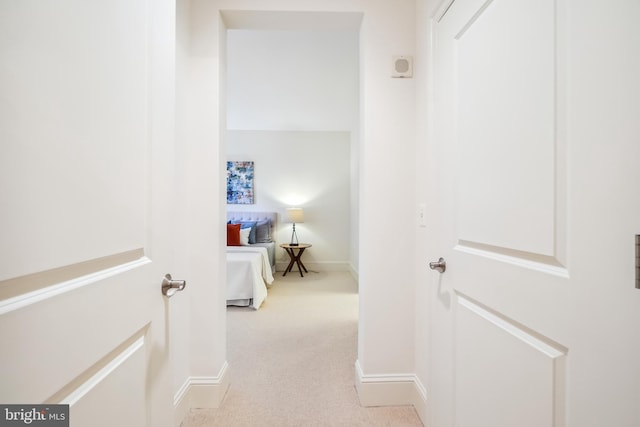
[294, 237]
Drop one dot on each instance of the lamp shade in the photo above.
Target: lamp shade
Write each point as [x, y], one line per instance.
[295, 215]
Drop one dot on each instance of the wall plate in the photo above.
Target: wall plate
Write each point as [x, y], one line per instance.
[402, 66]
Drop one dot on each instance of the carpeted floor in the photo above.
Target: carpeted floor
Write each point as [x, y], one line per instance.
[292, 361]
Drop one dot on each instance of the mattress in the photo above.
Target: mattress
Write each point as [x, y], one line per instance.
[271, 253]
[248, 275]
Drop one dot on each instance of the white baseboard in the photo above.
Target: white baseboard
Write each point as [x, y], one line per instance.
[354, 272]
[317, 266]
[391, 390]
[200, 392]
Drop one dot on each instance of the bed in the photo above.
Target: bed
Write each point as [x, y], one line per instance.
[251, 259]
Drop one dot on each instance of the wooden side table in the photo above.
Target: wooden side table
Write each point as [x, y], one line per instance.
[295, 257]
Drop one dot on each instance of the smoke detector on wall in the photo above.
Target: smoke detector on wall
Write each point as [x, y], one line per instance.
[402, 67]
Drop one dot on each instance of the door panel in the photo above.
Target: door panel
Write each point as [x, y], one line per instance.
[497, 360]
[74, 120]
[125, 371]
[75, 329]
[504, 60]
[86, 183]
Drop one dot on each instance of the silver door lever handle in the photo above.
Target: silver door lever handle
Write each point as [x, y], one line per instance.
[440, 265]
[170, 286]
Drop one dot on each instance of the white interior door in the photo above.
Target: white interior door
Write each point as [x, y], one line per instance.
[86, 131]
[535, 115]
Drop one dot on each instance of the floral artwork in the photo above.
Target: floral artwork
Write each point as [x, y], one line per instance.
[239, 183]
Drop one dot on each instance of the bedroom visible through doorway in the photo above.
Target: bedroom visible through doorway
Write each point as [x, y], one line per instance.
[292, 108]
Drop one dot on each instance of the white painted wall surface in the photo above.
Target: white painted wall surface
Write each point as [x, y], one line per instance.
[310, 170]
[424, 11]
[201, 171]
[180, 328]
[292, 80]
[387, 189]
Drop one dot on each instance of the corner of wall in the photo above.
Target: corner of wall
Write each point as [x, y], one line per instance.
[200, 392]
[354, 272]
[391, 390]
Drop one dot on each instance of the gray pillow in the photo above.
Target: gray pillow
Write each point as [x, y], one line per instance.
[263, 231]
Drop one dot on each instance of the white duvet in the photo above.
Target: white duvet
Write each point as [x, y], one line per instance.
[248, 274]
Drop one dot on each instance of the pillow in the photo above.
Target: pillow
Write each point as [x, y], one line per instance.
[248, 224]
[244, 236]
[233, 234]
[263, 231]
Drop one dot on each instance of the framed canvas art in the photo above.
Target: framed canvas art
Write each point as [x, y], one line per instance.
[239, 183]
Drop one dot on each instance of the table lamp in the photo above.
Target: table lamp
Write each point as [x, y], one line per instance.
[295, 215]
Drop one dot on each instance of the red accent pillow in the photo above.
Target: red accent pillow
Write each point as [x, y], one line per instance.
[233, 234]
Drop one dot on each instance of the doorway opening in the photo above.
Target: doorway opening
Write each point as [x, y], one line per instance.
[291, 85]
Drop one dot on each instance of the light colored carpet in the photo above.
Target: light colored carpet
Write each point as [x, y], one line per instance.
[292, 361]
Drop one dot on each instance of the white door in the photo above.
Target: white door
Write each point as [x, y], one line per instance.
[535, 177]
[86, 131]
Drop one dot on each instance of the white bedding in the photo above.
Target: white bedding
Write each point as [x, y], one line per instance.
[248, 275]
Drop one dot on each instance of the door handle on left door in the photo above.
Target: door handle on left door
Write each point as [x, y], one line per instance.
[170, 286]
[440, 265]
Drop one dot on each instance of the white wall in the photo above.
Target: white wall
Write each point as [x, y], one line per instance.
[292, 80]
[310, 170]
[425, 249]
[181, 319]
[201, 170]
[387, 204]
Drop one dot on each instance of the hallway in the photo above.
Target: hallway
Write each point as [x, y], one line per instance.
[292, 361]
